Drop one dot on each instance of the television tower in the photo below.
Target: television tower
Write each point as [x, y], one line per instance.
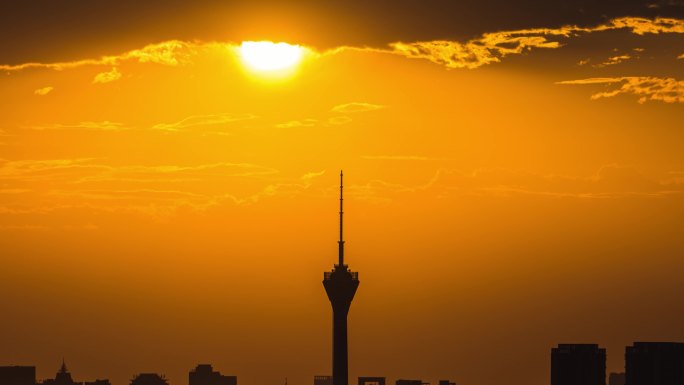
[340, 285]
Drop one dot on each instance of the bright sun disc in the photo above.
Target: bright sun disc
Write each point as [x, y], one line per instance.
[268, 56]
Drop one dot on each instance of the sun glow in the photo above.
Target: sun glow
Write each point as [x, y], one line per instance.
[269, 57]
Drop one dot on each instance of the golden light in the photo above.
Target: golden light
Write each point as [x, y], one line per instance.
[269, 57]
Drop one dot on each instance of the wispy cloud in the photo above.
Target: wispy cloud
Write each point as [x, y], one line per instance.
[609, 182]
[668, 90]
[613, 60]
[399, 157]
[356, 107]
[339, 120]
[107, 76]
[104, 125]
[43, 91]
[168, 53]
[202, 120]
[486, 49]
[312, 175]
[298, 123]
[493, 47]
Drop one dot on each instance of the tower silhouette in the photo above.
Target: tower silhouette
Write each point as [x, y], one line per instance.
[340, 285]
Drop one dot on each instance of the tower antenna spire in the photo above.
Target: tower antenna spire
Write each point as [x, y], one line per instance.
[341, 241]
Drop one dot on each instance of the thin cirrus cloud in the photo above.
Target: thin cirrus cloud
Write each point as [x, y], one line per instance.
[298, 123]
[668, 90]
[399, 157]
[354, 107]
[107, 76]
[613, 60]
[610, 181]
[168, 53]
[90, 184]
[202, 120]
[43, 91]
[104, 125]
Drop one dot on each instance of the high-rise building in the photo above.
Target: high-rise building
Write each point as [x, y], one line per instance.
[578, 364]
[204, 374]
[17, 375]
[616, 379]
[371, 380]
[654, 363]
[340, 285]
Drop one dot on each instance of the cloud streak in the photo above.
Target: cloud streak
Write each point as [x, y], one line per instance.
[43, 91]
[107, 76]
[104, 125]
[202, 120]
[487, 49]
[493, 47]
[168, 53]
[668, 90]
[354, 107]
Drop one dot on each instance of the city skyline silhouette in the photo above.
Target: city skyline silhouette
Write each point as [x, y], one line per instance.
[170, 190]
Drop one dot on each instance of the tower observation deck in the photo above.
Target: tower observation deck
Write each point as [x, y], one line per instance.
[340, 285]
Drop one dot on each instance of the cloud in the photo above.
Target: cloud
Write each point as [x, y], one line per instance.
[202, 120]
[609, 182]
[168, 53]
[312, 175]
[43, 91]
[107, 76]
[50, 186]
[680, 56]
[493, 47]
[87, 170]
[339, 120]
[298, 123]
[398, 157]
[668, 90]
[486, 49]
[642, 26]
[613, 61]
[104, 125]
[356, 107]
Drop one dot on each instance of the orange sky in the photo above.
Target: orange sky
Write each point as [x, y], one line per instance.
[166, 206]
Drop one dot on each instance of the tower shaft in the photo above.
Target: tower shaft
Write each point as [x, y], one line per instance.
[340, 285]
[341, 241]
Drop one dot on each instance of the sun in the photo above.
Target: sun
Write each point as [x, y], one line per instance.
[269, 57]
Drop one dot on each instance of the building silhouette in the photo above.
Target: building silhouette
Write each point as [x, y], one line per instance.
[340, 285]
[371, 380]
[446, 382]
[149, 379]
[410, 382]
[616, 379]
[17, 375]
[63, 377]
[578, 364]
[204, 374]
[654, 363]
[323, 380]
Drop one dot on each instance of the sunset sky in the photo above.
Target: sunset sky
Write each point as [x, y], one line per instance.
[514, 179]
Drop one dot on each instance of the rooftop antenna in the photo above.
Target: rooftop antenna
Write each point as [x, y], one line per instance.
[341, 241]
